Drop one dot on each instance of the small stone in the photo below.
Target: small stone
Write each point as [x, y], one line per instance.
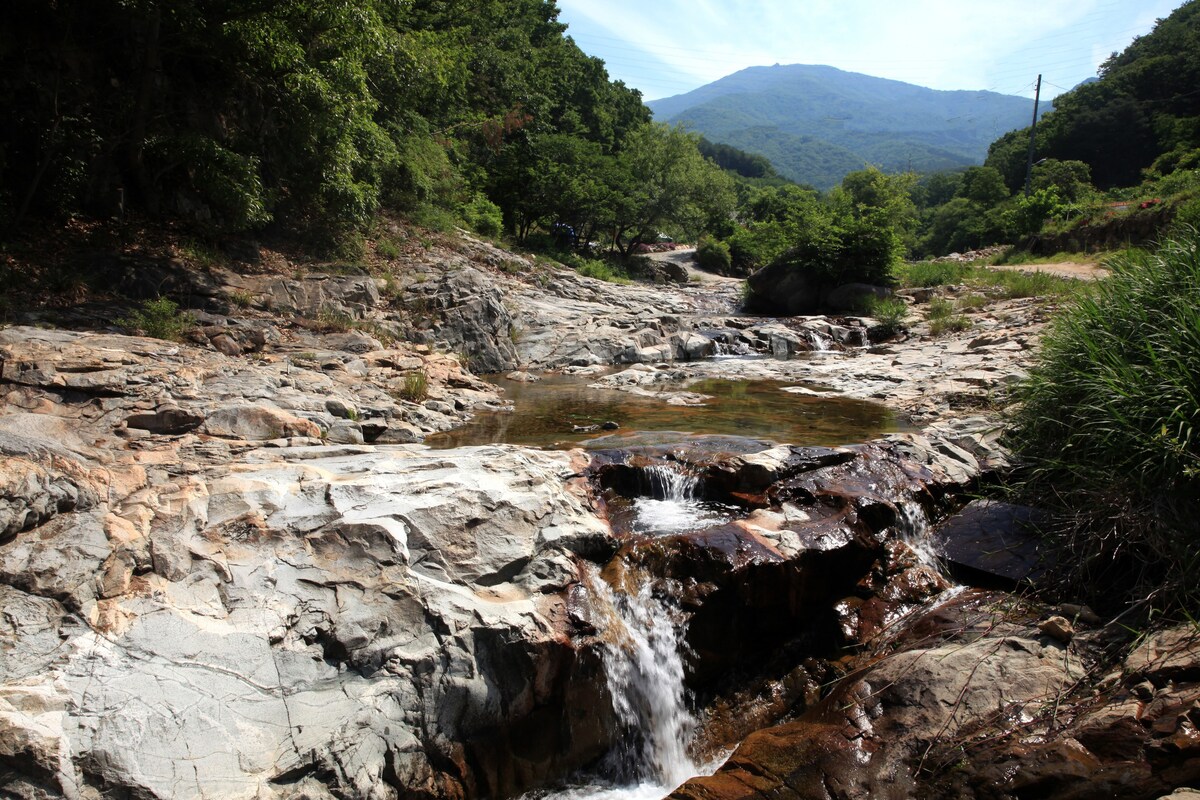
[226, 344]
[1057, 627]
[1079, 613]
[610, 426]
[340, 408]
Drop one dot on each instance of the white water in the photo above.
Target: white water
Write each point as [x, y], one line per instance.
[820, 343]
[675, 504]
[644, 671]
[913, 529]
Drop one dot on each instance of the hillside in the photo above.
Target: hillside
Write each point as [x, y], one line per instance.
[816, 123]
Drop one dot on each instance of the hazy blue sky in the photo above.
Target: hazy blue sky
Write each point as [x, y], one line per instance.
[668, 47]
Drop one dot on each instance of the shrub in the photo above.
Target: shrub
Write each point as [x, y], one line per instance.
[333, 321]
[159, 318]
[939, 308]
[890, 313]
[972, 302]
[388, 249]
[484, 216]
[593, 268]
[713, 255]
[1109, 424]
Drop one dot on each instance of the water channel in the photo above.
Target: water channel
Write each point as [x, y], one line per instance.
[645, 652]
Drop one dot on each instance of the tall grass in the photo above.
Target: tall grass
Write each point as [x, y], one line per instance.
[1005, 283]
[1109, 423]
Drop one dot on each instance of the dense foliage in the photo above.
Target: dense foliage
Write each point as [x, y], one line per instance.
[312, 115]
[854, 234]
[1144, 112]
[1110, 425]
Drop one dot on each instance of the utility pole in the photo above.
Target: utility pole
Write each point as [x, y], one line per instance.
[1037, 96]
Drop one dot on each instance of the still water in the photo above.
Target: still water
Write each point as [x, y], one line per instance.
[546, 413]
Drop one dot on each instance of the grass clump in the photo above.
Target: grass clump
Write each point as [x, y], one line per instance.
[159, 318]
[973, 302]
[415, 387]
[1109, 428]
[952, 324]
[932, 273]
[890, 314]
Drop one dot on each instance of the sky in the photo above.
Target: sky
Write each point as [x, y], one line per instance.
[669, 47]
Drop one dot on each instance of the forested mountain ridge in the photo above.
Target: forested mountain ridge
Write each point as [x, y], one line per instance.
[815, 123]
[1143, 112]
[311, 116]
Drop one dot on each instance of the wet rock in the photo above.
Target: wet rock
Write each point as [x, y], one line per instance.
[868, 738]
[992, 541]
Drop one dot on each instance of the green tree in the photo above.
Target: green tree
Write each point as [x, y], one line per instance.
[666, 183]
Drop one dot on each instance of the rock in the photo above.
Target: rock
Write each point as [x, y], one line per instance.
[1167, 654]
[674, 271]
[341, 408]
[852, 297]
[1057, 627]
[522, 377]
[257, 423]
[471, 318]
[227, 345]
[780, 289]
[993, 541]
[345, 432]
[37, 484]
[352, 342]
[167, 420]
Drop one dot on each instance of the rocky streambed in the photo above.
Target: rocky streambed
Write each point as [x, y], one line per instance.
[229, 567]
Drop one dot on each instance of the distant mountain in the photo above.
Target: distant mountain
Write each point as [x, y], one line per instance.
[817, 123]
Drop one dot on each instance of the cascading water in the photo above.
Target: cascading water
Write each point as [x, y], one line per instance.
[644, 668]
[820, 343]
[675, 503]
[913, 529]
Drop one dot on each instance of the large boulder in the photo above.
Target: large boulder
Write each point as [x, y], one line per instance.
[780, 288]
[350, 619]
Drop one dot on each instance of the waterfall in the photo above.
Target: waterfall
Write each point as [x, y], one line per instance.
[820, 343]
[644, 670]
[672, 484]
[674, 503]
[912, 528]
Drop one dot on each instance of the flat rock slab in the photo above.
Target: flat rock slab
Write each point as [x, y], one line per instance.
[990, 540]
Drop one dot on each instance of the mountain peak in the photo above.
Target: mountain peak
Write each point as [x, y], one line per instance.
[816, 122]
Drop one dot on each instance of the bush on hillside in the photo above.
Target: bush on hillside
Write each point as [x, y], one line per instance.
[1109, 428]
[713, 255]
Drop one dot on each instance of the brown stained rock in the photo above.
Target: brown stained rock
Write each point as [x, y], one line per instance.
[1057, 627]
[257, 423]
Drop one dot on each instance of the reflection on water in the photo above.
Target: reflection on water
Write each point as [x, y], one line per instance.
[547, 411]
